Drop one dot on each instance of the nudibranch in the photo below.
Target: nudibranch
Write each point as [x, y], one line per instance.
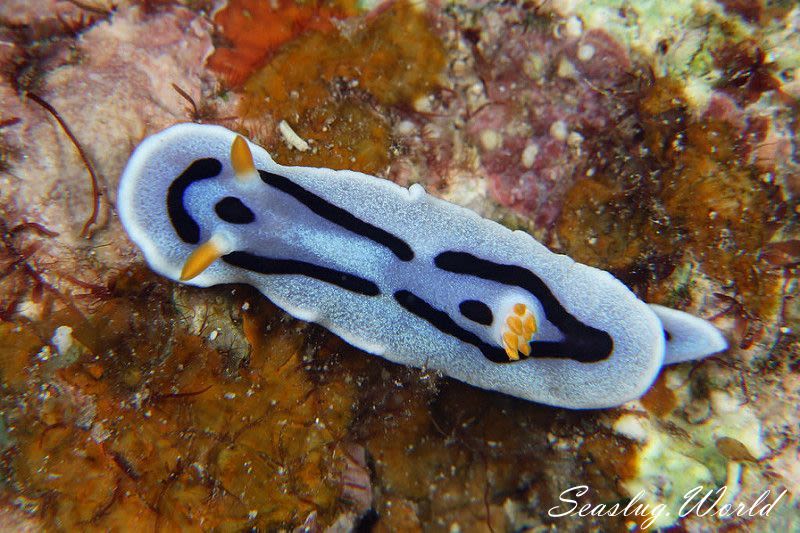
[398, 273]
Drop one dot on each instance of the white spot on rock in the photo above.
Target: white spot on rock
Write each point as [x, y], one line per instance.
[722, 402]
[62, 339]
[558, 130]
[491, 140]
[574, 27]
[566, 69]
[585, 52]
[529, 155]
[630, 426]
[422, 105]
[574, 139]
[406, 128]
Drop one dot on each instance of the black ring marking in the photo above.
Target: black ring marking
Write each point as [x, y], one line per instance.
[667, 335]
[232, 210]
[442, 321]
[476, 311]
[337, 215]
[269, 265]
[185, 226]
[583, 343]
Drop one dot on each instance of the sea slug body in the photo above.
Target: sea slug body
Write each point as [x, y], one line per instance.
[397, 272]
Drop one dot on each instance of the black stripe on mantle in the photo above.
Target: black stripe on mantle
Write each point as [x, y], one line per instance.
[338, 215]
[444, 323]
[269, 265]
[185, 226]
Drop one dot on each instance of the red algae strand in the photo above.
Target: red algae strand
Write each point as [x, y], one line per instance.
[253, 30]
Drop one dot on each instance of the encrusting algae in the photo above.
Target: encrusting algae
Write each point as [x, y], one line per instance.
[167, 428]
[686, 198]
[337, 88]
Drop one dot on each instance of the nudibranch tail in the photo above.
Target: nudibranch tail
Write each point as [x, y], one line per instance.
[204, 255]
[242, 161]
[687, 337]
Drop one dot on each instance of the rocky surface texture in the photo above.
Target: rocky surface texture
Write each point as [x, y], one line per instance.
[655, 140]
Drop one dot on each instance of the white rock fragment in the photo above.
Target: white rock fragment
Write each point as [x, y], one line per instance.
[566, 69]
[292, 138]
[529, 155]
[630, 426]
[574, 139]
[491, 139]
[585, 52]
[573, 27]
[722, 402]
[423, 105]
[62, 339]
[558, 130]
[30, 310]
[697, 93]
[406, 128]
